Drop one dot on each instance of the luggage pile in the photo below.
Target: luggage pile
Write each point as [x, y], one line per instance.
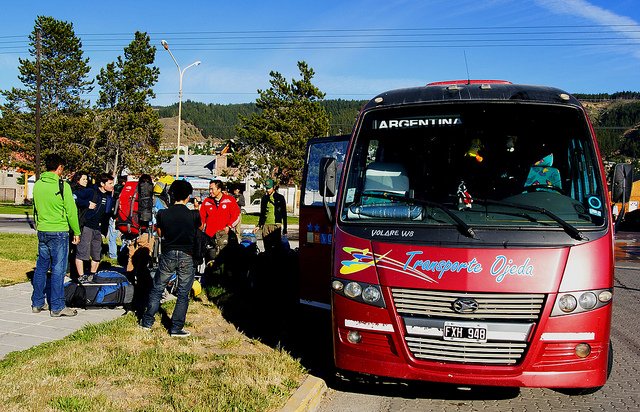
[106, 288]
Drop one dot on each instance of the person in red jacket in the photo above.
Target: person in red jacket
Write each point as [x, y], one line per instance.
[219, 213]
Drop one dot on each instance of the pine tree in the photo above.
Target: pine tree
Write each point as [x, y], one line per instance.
[131, 131]
[273, 141]
[67, 125]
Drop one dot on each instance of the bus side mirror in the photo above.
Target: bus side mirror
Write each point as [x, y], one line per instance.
[328, 172]
[621, 183]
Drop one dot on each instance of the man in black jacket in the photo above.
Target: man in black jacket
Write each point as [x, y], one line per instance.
[273, 218]
[177, 225]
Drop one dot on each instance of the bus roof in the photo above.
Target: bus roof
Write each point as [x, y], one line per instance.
[470, 90]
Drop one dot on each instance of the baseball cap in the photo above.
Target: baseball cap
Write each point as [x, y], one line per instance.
[269, 184]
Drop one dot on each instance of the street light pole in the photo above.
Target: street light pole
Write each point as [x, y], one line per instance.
[181, 74]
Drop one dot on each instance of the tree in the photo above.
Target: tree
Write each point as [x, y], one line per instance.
[130, 130]
[67, 126]
[273, 141]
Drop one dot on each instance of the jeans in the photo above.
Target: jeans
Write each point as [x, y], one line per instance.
[173, 261]
[53, 250]
[112, 236]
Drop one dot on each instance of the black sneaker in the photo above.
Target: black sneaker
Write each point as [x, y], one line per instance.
[180, 333]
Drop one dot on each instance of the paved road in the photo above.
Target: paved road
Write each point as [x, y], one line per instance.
[16, 224]
[20, 329]
[621, 393]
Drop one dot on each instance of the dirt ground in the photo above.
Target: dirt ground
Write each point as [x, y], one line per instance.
[12, 272]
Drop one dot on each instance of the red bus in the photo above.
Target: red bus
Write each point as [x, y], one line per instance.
[462, 234]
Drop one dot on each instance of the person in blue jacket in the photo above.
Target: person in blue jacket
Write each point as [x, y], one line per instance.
[90, 246]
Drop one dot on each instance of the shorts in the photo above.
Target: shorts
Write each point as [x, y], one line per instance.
[90, 245]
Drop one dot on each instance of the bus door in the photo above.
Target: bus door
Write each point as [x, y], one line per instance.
[316, 226]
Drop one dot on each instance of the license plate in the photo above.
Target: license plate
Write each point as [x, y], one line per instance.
[465, 332]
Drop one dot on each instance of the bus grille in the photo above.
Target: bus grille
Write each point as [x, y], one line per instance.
[490, 353]
[436, 307]
[491, 306]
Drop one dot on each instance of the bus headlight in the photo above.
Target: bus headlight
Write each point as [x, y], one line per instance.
[605, 296]
[337, 285]
[371, 294]
[567, 303]
[588, 300]
[354, 336]
[353, 289]
[362, 292]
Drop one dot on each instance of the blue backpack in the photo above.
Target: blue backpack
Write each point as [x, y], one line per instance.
[106, 288]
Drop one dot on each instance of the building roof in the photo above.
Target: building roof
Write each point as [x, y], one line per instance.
[192, 166]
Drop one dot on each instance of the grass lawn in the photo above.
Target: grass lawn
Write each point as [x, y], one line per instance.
[10, 209]
[18, 254]
[253, 220]
[17, 257]
[115, 366]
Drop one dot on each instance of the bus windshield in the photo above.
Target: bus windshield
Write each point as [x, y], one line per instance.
[475, 164]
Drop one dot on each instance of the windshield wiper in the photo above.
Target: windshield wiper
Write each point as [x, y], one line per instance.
[461, 225]
[570, 229]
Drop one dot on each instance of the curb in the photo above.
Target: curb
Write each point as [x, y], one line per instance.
[308, 396]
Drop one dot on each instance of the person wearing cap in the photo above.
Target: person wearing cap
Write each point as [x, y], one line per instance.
[273, 217]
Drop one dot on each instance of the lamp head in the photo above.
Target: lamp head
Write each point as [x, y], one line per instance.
[165, 44]
[197, 63]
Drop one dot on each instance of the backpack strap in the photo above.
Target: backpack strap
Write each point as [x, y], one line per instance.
[61, 188]
[132, 201]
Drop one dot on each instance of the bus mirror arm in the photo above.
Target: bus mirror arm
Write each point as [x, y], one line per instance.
[327, 184]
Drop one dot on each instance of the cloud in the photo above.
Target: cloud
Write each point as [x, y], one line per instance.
[624, 26]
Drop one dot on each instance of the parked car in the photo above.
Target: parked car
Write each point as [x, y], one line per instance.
[252, 208]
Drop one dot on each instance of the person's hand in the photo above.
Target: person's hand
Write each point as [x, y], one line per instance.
[255, 229]
[92, 205]
[76, 239]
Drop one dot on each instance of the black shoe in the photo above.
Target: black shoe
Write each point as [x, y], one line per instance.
[180, 333]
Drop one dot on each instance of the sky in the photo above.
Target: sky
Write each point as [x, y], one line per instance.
[357, 48]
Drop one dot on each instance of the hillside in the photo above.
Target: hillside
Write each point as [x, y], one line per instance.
[189, 134]
[220, 121]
